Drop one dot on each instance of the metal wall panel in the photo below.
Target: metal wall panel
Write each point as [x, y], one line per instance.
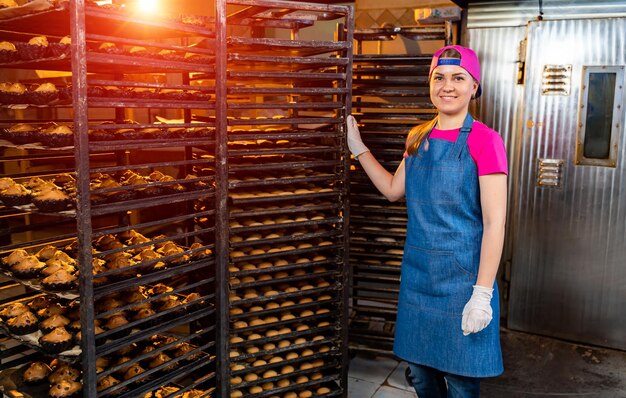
[517, 13]
[569, 270]
[500, 104]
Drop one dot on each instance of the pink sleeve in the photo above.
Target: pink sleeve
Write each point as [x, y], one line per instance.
[492, 156]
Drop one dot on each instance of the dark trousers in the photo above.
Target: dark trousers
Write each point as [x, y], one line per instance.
[433, 383]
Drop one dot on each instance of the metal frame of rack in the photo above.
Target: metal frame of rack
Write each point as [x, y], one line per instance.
[390, 96]
[284, 170]
[305, 82]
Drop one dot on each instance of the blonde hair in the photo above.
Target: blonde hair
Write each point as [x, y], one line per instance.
[418, 133]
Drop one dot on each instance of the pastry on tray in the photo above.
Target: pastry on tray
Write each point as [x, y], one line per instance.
[28, 267]
[66, 389]
[15, 257]
[53, 322]
[59, 281]
[62, 47]
[36, 373]
[36, 48]
[20, 133]
[51, 200]
[15, 195]
[12, 310]
[43, 94]
[22, 324]
[13, 93]
[56, 341]
[62, 371]
[8, 52]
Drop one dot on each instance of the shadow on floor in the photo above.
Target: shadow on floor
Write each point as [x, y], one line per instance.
[535, 367]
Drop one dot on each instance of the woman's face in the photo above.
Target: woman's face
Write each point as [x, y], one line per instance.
[451, 89]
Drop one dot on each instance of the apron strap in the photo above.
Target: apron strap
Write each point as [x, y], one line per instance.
[461, 140]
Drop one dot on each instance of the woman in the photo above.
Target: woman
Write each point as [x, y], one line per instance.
[454, 176]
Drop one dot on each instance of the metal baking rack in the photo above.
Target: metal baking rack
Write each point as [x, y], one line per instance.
[287, 99]
[390, 96]
[168, 216]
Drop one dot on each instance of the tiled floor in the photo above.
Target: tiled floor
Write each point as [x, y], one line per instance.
[535, 367]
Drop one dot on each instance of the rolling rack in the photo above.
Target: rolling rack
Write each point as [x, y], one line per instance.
[241, 205]
[135, 279]
[288, 95]
[390, 96]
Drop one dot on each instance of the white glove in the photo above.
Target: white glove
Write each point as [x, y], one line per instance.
[477, 312]
[355, 143]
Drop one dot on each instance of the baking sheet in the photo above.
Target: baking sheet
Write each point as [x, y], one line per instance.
[25, 9]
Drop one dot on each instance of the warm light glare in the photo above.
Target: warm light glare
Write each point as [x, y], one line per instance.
[149, 6]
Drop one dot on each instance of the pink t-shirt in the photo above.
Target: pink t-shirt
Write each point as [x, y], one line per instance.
[485, 146]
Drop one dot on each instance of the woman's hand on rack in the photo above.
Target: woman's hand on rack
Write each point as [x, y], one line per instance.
[355, 143]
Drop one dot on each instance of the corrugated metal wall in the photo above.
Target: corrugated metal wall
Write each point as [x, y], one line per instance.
[569, 274]
[499, 107]
[517, 13]
[568, 247]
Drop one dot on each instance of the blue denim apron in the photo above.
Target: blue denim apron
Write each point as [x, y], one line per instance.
[440, 264]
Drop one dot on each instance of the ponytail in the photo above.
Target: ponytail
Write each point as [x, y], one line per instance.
[417, 135]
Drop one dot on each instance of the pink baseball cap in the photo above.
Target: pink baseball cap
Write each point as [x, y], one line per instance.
[469, 62]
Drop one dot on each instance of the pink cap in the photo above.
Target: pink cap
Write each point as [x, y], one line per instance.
[469, 62]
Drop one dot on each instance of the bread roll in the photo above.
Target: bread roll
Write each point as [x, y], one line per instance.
[240, 324]
[235, 311]
[269, 373]
[287, 317]
[247, 266]
[276, 359]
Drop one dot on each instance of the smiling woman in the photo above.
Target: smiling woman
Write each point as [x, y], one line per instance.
[454, 178]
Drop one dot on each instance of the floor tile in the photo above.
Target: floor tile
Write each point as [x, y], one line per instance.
[374, 370]
[397, 379]
[360, 388]
[391, 392]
